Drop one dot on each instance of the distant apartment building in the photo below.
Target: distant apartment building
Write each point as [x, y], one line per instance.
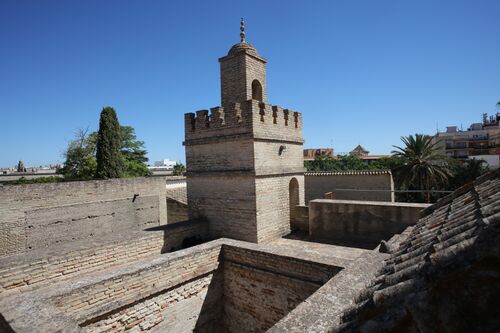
[479, 141]
[165, 164]
[310, 154]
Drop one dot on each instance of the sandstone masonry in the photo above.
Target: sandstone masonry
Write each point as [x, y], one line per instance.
[245, 157]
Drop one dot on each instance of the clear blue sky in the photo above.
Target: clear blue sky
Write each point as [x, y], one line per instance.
[361, 72]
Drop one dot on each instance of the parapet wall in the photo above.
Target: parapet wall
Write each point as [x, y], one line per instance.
[350, 185]
[254, 118]
[360, 223]
[40, 216]
[22, 273]
[220, 286]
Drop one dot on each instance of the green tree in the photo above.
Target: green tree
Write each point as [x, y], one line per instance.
[423, 168]
[80, 162]
[108, 155]
[131, 148]
[325, 162]
[464, 172]
[179, 169]
[133, 153]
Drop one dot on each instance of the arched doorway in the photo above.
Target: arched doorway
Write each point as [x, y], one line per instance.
[256, 90]
[294, 200]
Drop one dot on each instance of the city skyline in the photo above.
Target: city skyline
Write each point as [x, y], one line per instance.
[355, 76]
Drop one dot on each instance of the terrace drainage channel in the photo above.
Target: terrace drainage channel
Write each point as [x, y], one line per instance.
[220, 286]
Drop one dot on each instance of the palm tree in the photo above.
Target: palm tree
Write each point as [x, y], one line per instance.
[179, 169]
[423, 168]
[465, 172]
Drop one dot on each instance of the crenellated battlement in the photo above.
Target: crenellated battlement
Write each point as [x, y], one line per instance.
[252, 117]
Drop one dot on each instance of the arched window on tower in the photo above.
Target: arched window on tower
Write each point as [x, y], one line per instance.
[256, 90]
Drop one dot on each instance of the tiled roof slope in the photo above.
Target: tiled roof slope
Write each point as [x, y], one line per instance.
[445, 277]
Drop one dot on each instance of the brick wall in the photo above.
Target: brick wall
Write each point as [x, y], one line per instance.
[177, 211]
[20, 275]
[176, 189]
[38, 216]
[360, 223]
[237, 71]
[227, 202]
[260, 288]
[300, 218]
[377, 186]
[154, 290]
[220, 286]
[240, 157]
[273, 205]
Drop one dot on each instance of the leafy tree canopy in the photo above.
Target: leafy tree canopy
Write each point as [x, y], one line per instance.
[81, 152]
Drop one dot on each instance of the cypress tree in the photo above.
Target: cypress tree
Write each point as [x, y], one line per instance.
[109, 161]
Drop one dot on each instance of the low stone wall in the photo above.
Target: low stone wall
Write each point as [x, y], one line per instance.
[183, 234]
[261, 288]
[176, 211]
[299, 220]
[176, 188]
[220, 286]
[350, 185]
[40, 216]
[360, 223]
[21, 273]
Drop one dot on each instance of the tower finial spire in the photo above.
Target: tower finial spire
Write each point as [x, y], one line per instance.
[242, 29]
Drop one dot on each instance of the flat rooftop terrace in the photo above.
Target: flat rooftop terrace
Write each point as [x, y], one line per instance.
[220, 286]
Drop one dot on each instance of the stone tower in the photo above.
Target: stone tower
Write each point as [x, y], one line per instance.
[244, 159]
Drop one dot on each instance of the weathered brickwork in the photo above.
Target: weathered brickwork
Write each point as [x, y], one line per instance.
[98, 299]
[170, 311]
[238, 70]
[273, 204]
[176, 189]
[38, 216]
[350, 185]
[219, 199]
[242, 156]
[30, 275]
[255, 300]
[21, 273]
[220, 286]
[177, 211]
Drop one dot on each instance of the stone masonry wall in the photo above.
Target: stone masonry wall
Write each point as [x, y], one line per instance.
[219, 286]
[38, 216]
[255, 70]
[170, 311]
[360, 223]
[176, 188]
[318, 185]
[20, 275]
[237, 74]
[227, 202]
[177, 211]
[300, 218]
[163, 295]
[260, 288]
[273, 208]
